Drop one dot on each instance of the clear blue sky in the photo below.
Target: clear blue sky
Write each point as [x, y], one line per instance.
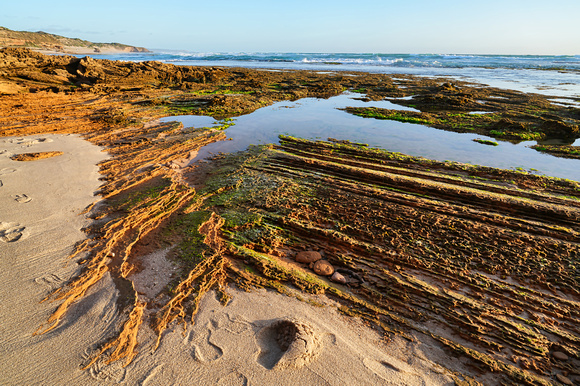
[387, 26]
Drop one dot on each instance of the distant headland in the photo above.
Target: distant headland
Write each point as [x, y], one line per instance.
[49, 43]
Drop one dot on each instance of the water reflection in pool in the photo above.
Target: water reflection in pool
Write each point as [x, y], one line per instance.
[321, 118]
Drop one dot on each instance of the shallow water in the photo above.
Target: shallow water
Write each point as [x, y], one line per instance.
[313, 118]
[565, 102]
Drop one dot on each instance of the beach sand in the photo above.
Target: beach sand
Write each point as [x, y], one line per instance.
[238, 344]
[260, 337]
[41, 201]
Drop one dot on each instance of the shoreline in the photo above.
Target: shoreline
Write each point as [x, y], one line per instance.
[418, 243]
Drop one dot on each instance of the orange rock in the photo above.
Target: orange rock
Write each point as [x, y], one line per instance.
[560, 355]
[323, 268]
[308, 257]
[564, 380]
[339, 278]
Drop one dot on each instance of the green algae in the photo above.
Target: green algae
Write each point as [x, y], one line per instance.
[495, 125]
[559, 151]
[525, 136]
[486, 142]
[392, 115]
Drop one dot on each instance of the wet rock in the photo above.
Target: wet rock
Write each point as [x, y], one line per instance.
[308, 257]
[445, 101]
[323, 268]
[559, 128]
[509, 124]
[339, 278]
[351, 277]
[564, 380]
[447, 87]
[560, 355]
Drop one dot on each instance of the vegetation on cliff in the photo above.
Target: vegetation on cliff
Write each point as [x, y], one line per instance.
[46, 41]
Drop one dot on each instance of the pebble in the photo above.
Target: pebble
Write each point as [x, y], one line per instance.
[337, 277]
[308, 257]
[564, 380]
[323, 268]
[560, 355]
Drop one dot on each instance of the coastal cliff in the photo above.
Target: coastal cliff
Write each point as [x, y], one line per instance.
[43, 41]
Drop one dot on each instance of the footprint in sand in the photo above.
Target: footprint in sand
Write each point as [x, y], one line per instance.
[6, 171]
[113, 372]
[50, 280]
[233, 379]
[17, 141]
[10, 232]
[151, 377]
[393, 368]
[30, 142]
[204, 350]
[22, 198]
[235, 324]
[288, 343]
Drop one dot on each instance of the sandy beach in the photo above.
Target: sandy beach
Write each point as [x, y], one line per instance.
[41, 203]
[319, 262]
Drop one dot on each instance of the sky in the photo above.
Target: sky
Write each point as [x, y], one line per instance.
[387, 26]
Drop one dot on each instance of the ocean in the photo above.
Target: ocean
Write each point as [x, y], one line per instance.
[549, 75]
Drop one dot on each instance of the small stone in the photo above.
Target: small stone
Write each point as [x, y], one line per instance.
[560, 355]
[564, 379]
[337, 277]
[308, 257]
[323, 268]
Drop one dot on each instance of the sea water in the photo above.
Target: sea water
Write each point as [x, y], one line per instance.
[320, 119]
